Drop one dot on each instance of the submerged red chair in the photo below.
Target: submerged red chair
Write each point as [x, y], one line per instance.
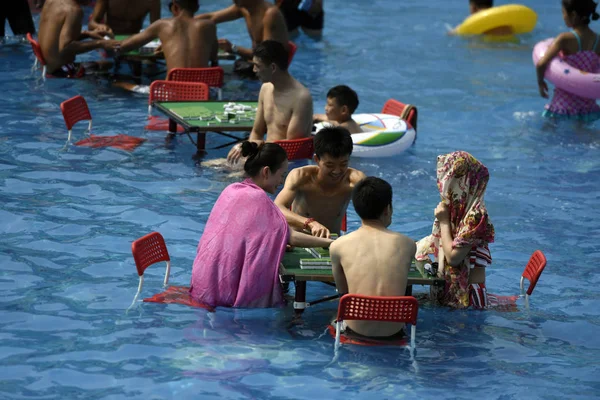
[76, 109]
[173, 91]
[292, 46]
[532, 272]
[298, 149]
[39, 57]
[377, 308]
[212, 76]
[405, 111]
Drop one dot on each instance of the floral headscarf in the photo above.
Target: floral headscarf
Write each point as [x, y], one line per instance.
[461, 180]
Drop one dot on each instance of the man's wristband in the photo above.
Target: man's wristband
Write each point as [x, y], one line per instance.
[307, 222]
[234, 49]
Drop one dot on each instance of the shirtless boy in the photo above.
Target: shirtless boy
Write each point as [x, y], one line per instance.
[186, 42]
[319, 195]
[284, 105]
[61, 38]
[373, 260]
[123, 17]
[341, 104]
[264, 22]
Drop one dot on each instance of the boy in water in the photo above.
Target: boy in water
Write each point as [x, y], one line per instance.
[373, 260]
[341, 104]
[319, 195]
[476, 6]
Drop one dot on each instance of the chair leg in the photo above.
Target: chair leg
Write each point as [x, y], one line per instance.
[413, 334]
[137, 294]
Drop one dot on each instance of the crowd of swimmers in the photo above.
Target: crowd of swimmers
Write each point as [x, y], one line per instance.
[247, 233]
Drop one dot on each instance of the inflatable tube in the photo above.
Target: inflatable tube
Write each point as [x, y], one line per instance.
[520, 18]
[384, 135]
[566, 77]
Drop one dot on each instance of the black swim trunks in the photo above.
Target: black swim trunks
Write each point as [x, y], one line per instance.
[71, 70]
[295, 18]
[349, 333]
[18, 14]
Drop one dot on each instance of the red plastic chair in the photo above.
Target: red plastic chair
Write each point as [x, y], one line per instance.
[39, 57]
[173, 91]
[74, 110]
[532, 272]
[344, 227]
[377, 308]
[292, 51]
[148, 250]
[394, 107]
[212, 76]
[298, 149]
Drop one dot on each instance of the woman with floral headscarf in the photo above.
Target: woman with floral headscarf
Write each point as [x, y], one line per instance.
[461, 232]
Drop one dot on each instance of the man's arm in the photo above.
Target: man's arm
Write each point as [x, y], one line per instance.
[274, 27]
[336, 267]
[140, 39]
[98, 17]
[301, 123]
[154, 11]
[230, 13]
[69, 44]
[210, 36]
[284, 201]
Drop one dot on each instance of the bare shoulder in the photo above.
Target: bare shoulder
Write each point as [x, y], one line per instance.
[340, 244]
[355, 176]
[272, 13]
[405, 242]
[205, 24]
[302, 93]
[303, 175]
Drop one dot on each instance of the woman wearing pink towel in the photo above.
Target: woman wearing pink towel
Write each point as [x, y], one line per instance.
[237, 264]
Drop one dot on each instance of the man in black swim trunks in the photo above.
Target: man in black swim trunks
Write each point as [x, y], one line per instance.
[305, 14]
[18, 14]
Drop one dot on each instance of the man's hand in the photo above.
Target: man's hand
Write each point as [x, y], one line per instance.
[97, 35]
[111, 45]
[318, 230]
[442, 213]
[104, 30]
[225, 45]
[235, 154]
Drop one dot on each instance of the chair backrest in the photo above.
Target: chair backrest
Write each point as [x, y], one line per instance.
[212, 76]
[394, 107]
[378, 308]
[178, 91]
[533, 270]
[292, 50]
[74, 110]
[298, 149]
[37, 50]
[148, 250]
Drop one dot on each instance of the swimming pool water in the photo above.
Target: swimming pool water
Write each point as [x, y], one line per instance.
[68, 218]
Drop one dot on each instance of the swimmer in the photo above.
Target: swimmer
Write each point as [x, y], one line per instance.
[341, 104]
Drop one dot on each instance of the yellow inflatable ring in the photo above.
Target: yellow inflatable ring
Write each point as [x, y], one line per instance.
[520, 18]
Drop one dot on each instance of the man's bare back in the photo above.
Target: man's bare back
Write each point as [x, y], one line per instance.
[372, 261]
[186, 42]
[60, 34]
[124, 17]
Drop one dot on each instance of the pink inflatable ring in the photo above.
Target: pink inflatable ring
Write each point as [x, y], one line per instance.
[565, 77]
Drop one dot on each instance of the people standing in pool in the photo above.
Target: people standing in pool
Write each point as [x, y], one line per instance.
[476, 6]
[305, 14]
[341, 104]
[245, 237]
[61, 38]
[285, 106]
[461, 232]
[123, 17]
[315, 198]
[264, 22]
[580, 49]
[373, 260]
[18, 14]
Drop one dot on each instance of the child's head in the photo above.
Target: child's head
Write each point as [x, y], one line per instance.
[579, 12]
[341, 103]
[372, 199]
[478, 5]
[333, 147]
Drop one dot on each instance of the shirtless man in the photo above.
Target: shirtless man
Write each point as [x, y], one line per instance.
[284, 105]
[186, 42]
[264, 22]
[61, 38]
[373, 260]
[123, 17]
[319, 195]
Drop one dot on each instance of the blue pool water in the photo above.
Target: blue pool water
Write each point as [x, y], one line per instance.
[68, 218]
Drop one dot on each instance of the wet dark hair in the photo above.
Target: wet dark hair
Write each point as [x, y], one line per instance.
[370, 197]
[271, 51]
[344, 96]
[482, 3]
[585, 9]
[336, 141]
[269, 155]
[188, 5]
